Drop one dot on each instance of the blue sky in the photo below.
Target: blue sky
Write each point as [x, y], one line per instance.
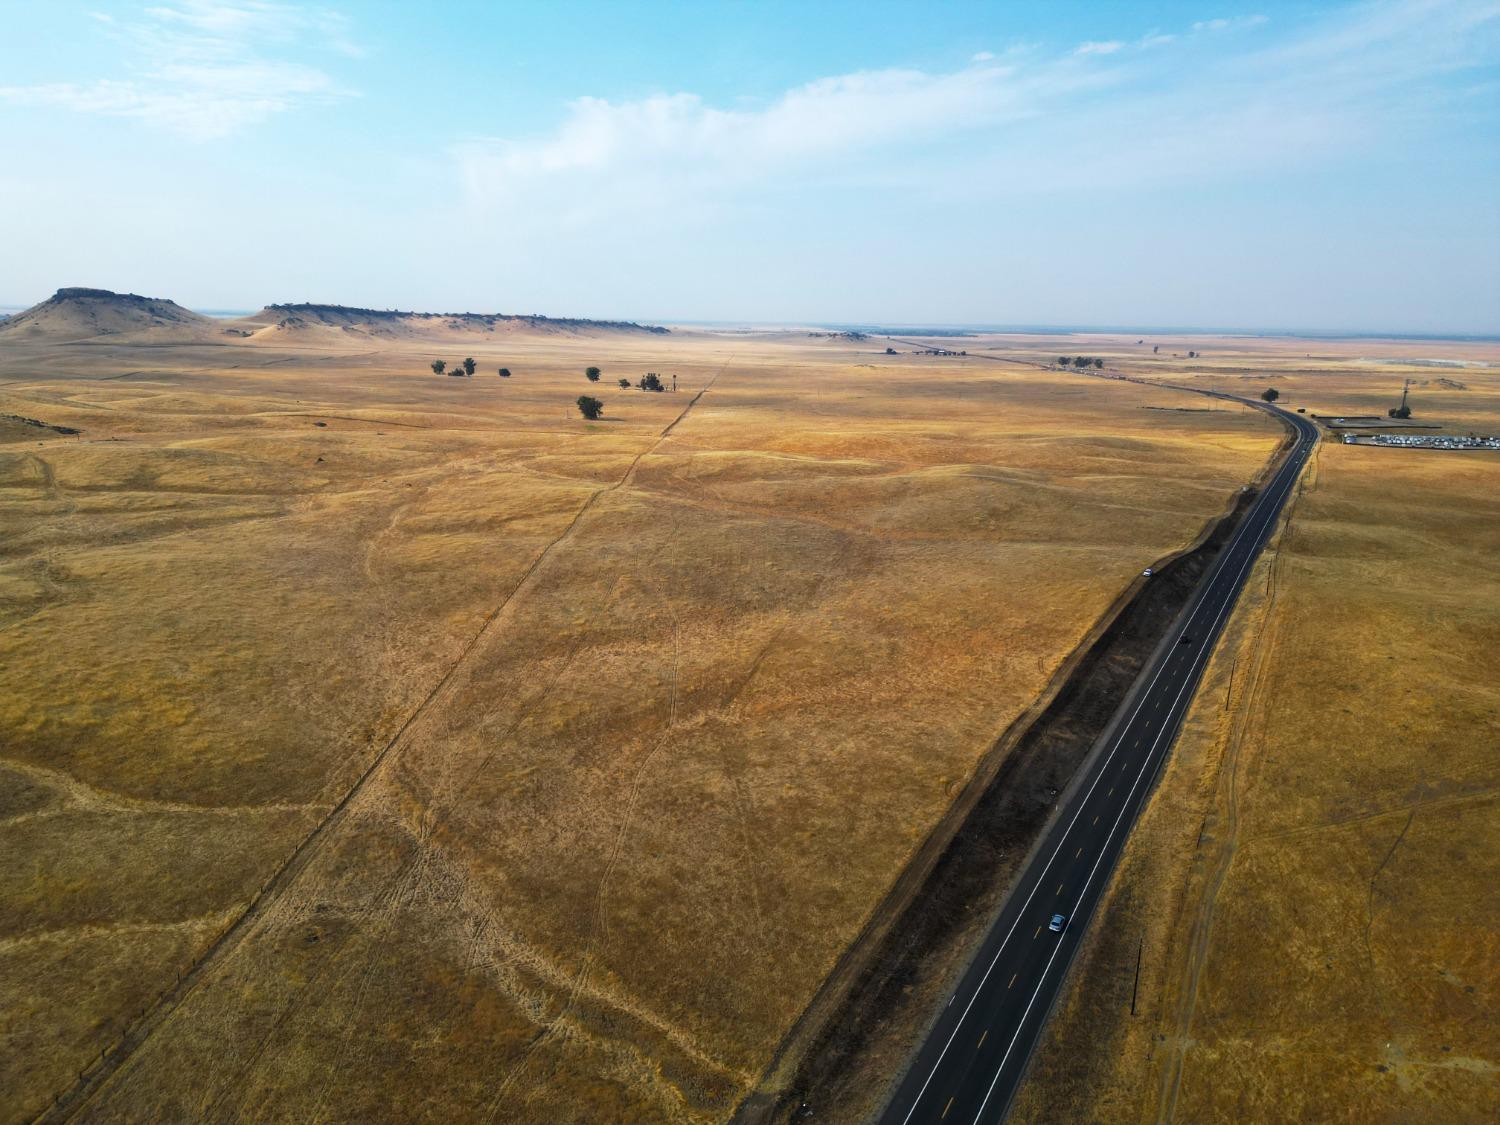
[1261, 165]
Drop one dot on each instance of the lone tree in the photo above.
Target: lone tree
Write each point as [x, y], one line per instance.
[590, 407]
[592, 373]
[505, 373]
[1064, 360]
[1099, 363]
[1270, 394]
[624, 384]
[439, 366]
[469, 366]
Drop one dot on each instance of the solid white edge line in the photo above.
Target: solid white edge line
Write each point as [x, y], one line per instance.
[1119, 734]
[1113, 828]
[1120, 731]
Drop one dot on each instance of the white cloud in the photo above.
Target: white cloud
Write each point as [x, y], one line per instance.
[1235, 23]
[1186, 110]
[819, 124]
[982, 56]
[204, 68]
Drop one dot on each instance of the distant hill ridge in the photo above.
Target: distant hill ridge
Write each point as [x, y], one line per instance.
[77, 313]
[346, 313]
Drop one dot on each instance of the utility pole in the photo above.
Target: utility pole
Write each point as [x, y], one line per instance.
[1406, 386]
[1137, 988]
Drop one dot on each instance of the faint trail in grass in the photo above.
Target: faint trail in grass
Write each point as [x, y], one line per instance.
[87, 1085]
[1370, 915]
[1178, 1022]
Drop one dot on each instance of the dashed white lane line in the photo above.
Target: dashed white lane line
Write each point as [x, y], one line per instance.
[1125, 805]
[1124, 726]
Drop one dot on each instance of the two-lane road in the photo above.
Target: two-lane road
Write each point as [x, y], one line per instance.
[974, 1057]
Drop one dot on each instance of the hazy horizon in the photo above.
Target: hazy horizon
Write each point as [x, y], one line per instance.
[1258, 168]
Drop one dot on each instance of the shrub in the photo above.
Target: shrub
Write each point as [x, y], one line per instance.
[505, 373]
[624, 384]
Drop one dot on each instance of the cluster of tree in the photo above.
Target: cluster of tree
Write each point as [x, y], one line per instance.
[590, 407]
[933, 351]
[1080, 361]
[650, 381]
[462, 369]
[1398, 412]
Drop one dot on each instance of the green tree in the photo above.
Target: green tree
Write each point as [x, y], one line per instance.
[469, 366]
[624, 384]
[651, 381]
[1099, 363]
[592, 374]
[1270, 394]
[505, 373]
[1081, 361]
[439, 366]
[590, 407]
[1064, 360]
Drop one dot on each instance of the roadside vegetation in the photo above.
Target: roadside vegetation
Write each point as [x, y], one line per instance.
[637, 762]
[1309, 896]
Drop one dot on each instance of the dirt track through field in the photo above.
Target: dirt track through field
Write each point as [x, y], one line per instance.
[138, 1032]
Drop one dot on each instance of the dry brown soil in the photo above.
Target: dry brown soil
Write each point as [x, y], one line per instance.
[1311, 895]
[381, 744]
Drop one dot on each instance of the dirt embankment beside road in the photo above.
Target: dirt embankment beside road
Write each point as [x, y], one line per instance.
[856, 1039]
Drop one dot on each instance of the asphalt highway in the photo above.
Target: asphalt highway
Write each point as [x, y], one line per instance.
[974, 1057]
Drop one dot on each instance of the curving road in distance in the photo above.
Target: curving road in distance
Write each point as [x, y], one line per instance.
[974, 1057]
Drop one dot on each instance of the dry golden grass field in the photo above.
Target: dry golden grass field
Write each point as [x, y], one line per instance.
[1311, 894]
[378, 744]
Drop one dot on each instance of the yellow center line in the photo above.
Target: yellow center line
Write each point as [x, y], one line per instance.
[947, 1107]
[1037, 934]
[1012, 983]
[982, 1038]
[1059, 888]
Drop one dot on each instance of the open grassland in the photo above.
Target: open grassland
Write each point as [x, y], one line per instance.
[378, 744]
[1311, 894]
